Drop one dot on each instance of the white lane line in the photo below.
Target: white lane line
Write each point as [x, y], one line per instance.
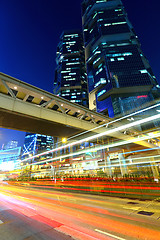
[75, 231]
[1, 222]
[110, 235]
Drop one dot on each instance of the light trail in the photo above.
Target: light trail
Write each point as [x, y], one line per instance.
[114, 121]
[95, 149]
[84, 219]
[111, 131]
[117, 120]
[143, 150]
[135, 163]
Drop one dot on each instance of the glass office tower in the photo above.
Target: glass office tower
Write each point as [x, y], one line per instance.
[36, 143]
[119, 75]
[70, 76]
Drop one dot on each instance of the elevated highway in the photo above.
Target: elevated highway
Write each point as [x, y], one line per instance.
[27, 108]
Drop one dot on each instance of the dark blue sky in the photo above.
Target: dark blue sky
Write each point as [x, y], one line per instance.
[30, 30]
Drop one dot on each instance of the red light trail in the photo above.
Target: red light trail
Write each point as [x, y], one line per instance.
[84, 217]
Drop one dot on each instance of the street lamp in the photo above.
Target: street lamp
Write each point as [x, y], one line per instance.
[64, 140]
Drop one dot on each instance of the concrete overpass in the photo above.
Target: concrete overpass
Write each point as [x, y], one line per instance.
[27, 108]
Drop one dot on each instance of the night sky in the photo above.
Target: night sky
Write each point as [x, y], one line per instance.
[30, 31]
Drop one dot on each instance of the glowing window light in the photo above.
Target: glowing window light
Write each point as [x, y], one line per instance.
[142, 96]
[100, 70]
[120, 59]
[101, 1]
[101, 93]
[96, 60]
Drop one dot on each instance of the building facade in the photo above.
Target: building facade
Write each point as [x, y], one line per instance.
[70, 76]
[36, 143]
[119, 75]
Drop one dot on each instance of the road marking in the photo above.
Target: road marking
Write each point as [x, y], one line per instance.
[110, 235]
[75, 231]
[1, 222]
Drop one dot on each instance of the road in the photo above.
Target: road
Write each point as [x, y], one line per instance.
[30, 214]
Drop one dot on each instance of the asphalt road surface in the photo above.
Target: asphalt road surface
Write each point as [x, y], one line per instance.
[30, 214]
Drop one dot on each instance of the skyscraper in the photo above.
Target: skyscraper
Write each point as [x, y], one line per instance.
[36, 143]
[119, 75]
[70, 76]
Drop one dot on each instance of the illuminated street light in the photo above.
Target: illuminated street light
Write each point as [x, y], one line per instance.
[64, 140]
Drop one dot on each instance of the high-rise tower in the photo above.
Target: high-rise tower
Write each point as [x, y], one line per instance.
[119, 75]
[70, 76]
[36, 143]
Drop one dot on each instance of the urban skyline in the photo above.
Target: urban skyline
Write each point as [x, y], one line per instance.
[83, 168]
[35, 44]
[144, 27]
